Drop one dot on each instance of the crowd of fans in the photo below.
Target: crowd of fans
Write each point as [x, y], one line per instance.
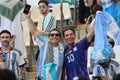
[61, 59]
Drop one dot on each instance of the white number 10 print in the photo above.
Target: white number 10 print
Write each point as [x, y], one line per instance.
[70, 58]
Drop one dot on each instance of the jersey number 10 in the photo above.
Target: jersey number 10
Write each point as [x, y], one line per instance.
[70, 58]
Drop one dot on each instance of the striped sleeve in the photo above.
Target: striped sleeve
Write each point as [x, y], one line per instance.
[50, 24]
[39, 40]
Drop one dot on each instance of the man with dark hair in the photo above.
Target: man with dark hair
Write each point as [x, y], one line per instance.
[75, 54]
[12, 57]
[43, 1]
[49, 21]
[5, 31]
[116, 77]
[104, 68]
[6, 74]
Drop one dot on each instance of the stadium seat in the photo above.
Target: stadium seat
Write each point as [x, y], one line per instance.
[35, 14]
[56, 11]
[26, 33]
[66, 12]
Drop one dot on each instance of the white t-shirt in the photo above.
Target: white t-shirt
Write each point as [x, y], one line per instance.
[55, 56]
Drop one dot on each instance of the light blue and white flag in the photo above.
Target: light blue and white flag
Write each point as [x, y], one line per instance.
[101, 44]
[49, 71]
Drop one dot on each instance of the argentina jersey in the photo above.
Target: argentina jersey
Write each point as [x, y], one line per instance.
[76, 60]
[12, 60]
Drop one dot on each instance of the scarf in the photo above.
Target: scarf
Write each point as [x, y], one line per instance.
[49, 54]
[49, 67]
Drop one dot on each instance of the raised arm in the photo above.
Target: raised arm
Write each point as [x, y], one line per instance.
[90, 34]
[31, 25]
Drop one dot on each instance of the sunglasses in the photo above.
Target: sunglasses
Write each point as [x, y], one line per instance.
[52, 35]
[102, 63]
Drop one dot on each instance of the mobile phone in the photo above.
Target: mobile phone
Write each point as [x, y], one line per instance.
[26, 9]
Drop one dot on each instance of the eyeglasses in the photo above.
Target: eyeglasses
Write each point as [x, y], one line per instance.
[52, 35]
[41, 7]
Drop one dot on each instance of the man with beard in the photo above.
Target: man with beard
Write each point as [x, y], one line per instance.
[10, 75]
[49, 21]
[12, 57]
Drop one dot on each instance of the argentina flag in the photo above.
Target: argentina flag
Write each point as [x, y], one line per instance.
[49, 71]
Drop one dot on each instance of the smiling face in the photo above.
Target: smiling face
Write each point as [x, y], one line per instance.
[54, 37]
[69, 37]
[5, 39]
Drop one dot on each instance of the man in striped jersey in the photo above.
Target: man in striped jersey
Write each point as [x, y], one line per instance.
[49, 21]
[12, 57]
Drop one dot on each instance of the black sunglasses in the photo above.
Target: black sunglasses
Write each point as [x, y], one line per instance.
[52, 35]
[102, 63]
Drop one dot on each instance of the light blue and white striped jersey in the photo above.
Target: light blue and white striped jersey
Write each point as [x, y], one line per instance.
[13, 59]
[108, 72]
